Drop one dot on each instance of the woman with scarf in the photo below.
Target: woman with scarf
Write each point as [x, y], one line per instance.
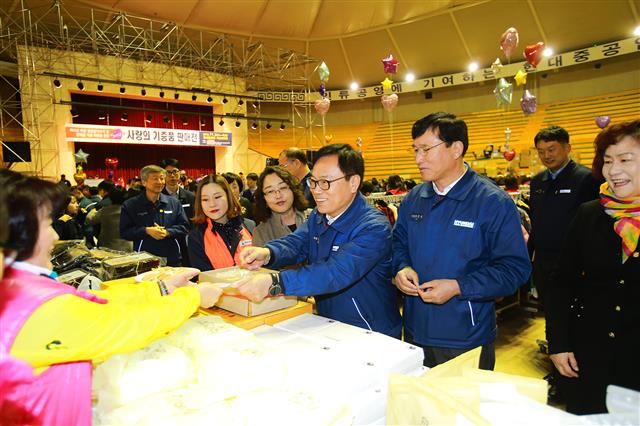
[220, 232]
[280, 205]
[593, 324]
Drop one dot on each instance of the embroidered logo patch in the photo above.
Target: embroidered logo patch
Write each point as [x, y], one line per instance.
[335, 248]
[416, 216]
[463, 223]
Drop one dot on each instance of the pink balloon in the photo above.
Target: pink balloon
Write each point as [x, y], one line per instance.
[509, 41]
[389, 102]
[322, 106]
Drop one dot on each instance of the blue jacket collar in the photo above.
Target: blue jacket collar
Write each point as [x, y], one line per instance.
[569, 166]
[458, 192]
[344, 222]
[163, 200]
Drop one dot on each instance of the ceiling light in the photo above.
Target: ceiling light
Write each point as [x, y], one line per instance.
[221, 122]
[240, 102]
[547, 52]
[165, 118]
[268, 126]
[74, 112]
[161, 94]
[176, 95]
[57, 83]
[254, 125]
[149, 118]
[354, 86]
[254, 104]
[473, 67]
[282, 126]
[409, 77]
[209, 99]
[80, 85]
[636, 32]
[100, 87]
[124, 117]
[123, 89]
[237, 123]
[225, 100]
[143, 92]
[102, 115]
[194, 97]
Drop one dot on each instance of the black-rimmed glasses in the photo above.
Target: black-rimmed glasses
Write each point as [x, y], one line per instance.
[324, 184]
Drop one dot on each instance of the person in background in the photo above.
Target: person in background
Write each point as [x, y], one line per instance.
[64, 181]
[280, 205]
[60, 331]
[84, 203]
[457, 246]
[69, 225]
[396, 185]
[109, 220]
[236, 185]
[376, 185]
[154, 221]
[409, 184]
[252, 185]
[593, 318]
[220, 232]
[295, 161]
[104, 190]
[346, 244]
[367, 188]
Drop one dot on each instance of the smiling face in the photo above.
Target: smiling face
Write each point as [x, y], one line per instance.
[341, 192]
[277, 194]
[154, 183]
[553, 154]
[621, 167]
[440, 163]
[214, 202]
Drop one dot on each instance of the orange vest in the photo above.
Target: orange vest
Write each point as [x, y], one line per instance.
[217, 251]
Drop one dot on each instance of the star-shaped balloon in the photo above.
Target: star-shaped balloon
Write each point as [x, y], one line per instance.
[503, 92]
[521, 78]
[528, 102]
[390, 64]
[81, 156]
[386, 83]
[496, 67]
[323, 72]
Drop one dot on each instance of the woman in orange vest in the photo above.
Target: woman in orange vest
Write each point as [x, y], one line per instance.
[220, 232]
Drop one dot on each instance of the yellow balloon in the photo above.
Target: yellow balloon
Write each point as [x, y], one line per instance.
[386, 83]
[521, 78]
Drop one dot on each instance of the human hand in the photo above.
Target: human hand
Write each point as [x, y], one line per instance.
[156, 232]
[253, 258]
[407, 281]
[438, 291]
[255, 287]
[566, 364]
[179, 278]
[209, 294]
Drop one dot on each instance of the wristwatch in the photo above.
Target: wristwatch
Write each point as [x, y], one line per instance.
[276, 288]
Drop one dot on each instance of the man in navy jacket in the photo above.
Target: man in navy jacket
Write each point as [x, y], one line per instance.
[457, 245]
[347, 244]
[152, 220]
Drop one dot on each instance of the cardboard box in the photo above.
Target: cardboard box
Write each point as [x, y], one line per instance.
[238, 304]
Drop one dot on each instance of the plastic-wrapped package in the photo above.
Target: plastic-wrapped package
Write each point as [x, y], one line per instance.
[130, 265]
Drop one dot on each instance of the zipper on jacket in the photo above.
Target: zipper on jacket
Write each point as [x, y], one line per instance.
[473, 321]
[140, 245]
[360, 313]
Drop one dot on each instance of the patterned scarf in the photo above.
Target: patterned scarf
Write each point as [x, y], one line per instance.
[626, 213]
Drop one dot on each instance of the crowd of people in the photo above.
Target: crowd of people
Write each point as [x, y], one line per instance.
[456, 244]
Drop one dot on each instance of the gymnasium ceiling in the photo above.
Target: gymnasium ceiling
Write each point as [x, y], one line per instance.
[428, 37]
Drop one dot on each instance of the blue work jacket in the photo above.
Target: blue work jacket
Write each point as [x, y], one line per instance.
[474, 236]
[139, 213]
[348, 269]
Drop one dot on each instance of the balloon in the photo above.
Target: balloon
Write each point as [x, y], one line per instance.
[509, 41]
[521, 78]
[389, 102]
[509, 155]
[496, 66]
[81, 156]
[322, 89]
[503, 92]
[533, 53]
[323, 72]
[390, 64]
[359, 142]
[528, 103]
[111, 162]
[603, 121]
[328, 138]
[322, 106]
[386, 83]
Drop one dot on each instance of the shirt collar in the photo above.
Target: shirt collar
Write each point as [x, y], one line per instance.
[451, 185]
[34, 269]
[346, 215]
[555, 174]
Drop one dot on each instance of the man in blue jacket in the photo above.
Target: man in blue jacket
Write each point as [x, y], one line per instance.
[457, 245]
[347, 244]
[152, 220]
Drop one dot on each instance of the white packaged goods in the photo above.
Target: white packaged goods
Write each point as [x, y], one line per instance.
[310, 371]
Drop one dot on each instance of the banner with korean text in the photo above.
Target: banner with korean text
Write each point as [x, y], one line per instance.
[144, 135]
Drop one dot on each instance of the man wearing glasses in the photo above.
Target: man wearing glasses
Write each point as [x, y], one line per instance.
[457, 246]
[187, 199]
[295, 161]
[347, 246]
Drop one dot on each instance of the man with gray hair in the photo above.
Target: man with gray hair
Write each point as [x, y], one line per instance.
[295, 161]
[152, 220]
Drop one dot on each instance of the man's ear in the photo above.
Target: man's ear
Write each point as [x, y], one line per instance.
[458, 148]
[354, 183]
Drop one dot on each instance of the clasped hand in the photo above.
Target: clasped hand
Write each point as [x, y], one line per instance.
[435, 291]
[157, 232]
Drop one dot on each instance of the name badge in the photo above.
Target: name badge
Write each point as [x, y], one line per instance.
[335, 248]
[186, 205]
[168, 211]
[565, 191]
[416, 216]
[245, 243]
[463, 224]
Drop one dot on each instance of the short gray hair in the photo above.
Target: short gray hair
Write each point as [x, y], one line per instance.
[152, 168]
